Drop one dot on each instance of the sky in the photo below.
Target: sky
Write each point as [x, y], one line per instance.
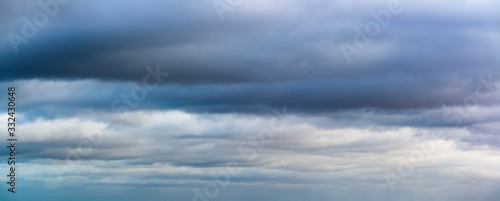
[270, 100]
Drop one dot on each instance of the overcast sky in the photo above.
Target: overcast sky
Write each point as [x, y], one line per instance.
[253, 99]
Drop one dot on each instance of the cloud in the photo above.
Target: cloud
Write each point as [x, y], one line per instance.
[430, 77]
[281, 42]
[174, 149]
[306, 97]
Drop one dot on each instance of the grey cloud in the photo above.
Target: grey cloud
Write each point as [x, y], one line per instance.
[349, 122]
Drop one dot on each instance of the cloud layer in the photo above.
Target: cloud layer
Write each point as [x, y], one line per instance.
[268, 89]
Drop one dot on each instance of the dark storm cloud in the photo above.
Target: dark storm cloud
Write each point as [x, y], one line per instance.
[114, 41]
[263, 56]
[395, 96]
[275, 57]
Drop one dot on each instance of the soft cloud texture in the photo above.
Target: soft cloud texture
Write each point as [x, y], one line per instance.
[429, 78]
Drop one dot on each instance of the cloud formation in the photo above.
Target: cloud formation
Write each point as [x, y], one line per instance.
[429, 78]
